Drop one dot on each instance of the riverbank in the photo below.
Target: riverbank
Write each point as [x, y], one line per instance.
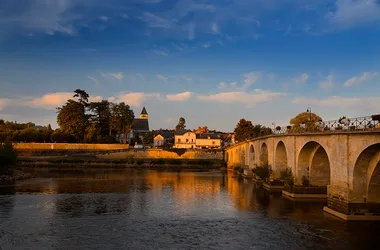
[82, 162]
[13, 176]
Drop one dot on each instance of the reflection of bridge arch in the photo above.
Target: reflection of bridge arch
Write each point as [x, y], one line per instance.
[264, 154]
[281, 157]
[314, 164]
[252, 156]
[366, 179]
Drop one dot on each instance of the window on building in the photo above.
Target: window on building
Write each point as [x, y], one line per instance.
[188, 134]
[192, 140]
[187, 140]
[179, 140]
[213, 142]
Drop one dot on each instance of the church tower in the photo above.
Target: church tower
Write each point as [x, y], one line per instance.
[144, 114]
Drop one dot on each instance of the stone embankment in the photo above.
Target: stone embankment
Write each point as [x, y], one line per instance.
[111, 151]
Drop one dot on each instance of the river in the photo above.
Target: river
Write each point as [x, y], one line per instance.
[150, 209]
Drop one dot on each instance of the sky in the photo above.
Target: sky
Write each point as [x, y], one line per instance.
[212, 62]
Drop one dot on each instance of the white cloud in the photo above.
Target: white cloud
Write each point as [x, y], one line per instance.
[206, 45]
[160, 52]
[351, 13]
[334, 102]
[302, 79]
[214, 28]
[51, 100]
[162, 77]
[54, 100]
[93, 79]
[154, 21]
[103, 18]
[45, 16]
[3, 103]
[358, 80]
[328, 83]
[117, 75]
[179, 97]
[136, 99]
[250, 99]
[250, 79]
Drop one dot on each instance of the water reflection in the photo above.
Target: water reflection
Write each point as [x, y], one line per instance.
[126, 209]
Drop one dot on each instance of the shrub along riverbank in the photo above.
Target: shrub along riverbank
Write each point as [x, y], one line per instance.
[71, 162]
[9, 171]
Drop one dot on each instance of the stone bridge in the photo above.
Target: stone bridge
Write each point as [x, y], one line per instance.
[347, 162]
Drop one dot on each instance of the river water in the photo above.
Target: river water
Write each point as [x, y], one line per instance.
[149, 209]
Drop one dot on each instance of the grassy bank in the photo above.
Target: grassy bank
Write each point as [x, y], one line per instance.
[78, 162]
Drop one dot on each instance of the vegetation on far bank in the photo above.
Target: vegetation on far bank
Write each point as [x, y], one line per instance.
[8, 163]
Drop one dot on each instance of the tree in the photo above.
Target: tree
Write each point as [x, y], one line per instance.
[121, 119]
[181, 124]
[72, 119]
[245, 130]
[306, 118]
[82, 96]
[148, 139]
[100, 116]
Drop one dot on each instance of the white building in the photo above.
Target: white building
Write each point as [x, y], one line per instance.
[188, 139]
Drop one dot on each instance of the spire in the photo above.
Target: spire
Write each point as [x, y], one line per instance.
[143, 112]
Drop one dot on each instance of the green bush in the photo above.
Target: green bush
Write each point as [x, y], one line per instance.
[157, 162]
[263, 171]
[174, 162]
[287, 176]
[140, 162]
[8, 157]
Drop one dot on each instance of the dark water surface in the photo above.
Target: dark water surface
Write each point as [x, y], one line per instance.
[132, 209]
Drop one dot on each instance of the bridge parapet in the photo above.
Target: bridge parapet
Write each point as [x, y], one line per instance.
[346, 124]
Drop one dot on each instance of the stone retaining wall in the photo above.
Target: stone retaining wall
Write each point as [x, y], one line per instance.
[163, 154]
[69, 146]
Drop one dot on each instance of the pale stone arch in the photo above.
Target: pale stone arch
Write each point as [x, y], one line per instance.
[281, 157]
[242, 156]
[314, 164]
[252, 156]
[366, 175]
[264, 154]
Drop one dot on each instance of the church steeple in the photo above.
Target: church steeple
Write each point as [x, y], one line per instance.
[144, 114]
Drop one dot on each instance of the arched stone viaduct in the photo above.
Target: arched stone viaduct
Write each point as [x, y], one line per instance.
[347, 162]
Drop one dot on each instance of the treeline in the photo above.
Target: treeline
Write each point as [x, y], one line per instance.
[79, 120]
[24, 132]
[94, 122]
[245, 130]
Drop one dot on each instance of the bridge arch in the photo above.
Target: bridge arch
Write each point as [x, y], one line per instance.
[314, 164]
[264, 154]
[281, 157]
[366, 179]
[252, 156]
[242, 156]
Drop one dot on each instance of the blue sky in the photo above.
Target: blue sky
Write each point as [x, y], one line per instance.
[212, 62]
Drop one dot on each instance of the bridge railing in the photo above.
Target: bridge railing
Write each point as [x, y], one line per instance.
[345, 124]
